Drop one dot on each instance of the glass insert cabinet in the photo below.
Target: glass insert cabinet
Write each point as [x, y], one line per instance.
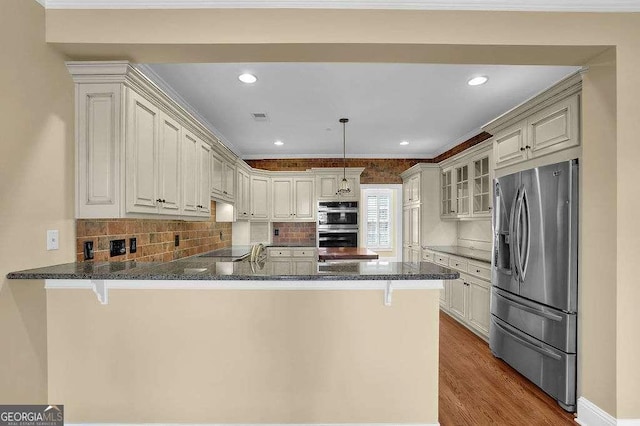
[465, 187]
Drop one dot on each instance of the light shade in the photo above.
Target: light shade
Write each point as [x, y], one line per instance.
[343, 188]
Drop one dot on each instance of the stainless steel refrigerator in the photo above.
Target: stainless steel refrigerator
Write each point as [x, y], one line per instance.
[534, 297]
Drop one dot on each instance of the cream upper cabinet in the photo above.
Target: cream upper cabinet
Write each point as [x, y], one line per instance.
[406, 227]
[462, 195]
[554, 128]
[204, 179]
[223, 178]
[414, 217]
[141, 154]
[447, 188]
[138, 154]
[260, 195]
[509, 146]
[282, 200]
[411, 190]
[304, 199]
[466, 184]
[293, 198]
[481, 185]
[169, 180]
[327, 182]
[546, 124]
[190, 178]
[243, 196]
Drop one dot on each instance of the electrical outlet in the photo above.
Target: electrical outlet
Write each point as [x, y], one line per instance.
[117, 248]
[176, 240]
[220, 234]
[88, 250]
[276, 232]
[52, 239]
[133, 245]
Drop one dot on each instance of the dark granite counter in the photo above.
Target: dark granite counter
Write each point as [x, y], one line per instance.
[473, 254]
[203, 268]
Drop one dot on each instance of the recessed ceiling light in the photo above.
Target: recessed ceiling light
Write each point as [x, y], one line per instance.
[279, 143]
[477, 81]
[404, 143]
[247, 78]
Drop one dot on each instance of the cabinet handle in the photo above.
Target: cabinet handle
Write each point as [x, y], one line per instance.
[521, 149]
[158, 200]
[477, 271]
[164, 201]
[528, 147]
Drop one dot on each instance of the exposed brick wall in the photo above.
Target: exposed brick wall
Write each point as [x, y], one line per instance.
[461, 147]
[154, 237]
[376, 170]
[295, 232]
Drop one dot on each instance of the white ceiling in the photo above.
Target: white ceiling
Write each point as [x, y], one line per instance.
[430, 106]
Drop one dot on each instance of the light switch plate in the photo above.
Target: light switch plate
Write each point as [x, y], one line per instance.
[52, 239]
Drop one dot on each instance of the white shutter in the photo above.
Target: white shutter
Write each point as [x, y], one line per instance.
[379, 220]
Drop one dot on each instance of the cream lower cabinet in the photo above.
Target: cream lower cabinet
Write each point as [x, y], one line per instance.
[467, 299]
[288, 261]
[293, 198]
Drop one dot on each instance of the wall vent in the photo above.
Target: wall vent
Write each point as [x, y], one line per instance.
[260, 116]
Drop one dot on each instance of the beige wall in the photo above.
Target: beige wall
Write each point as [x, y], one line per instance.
[36, 189]
[597, 331]
[219, 356]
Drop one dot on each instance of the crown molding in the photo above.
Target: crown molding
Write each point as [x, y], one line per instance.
[488, 5]
[272, 156]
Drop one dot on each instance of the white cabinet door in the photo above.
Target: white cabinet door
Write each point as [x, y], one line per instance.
[406, 228]
[229, 180]
[447, 198]
[458, 299]
[444, 295]
[303, 266]
[217, 175]
[415, 227]
[481, 186]
[259, 197]
[169, 165]
[479, 302]
[414, 188]
[415, 255]
[282, 200]
[509, 146]
[304, 199]
[406, 192]
[243, 201]
[327, 187]
[406, 254]
[554, 128]
[204, 179]
[461, 194]
[281, 266]
[190, 189]
[141, 159]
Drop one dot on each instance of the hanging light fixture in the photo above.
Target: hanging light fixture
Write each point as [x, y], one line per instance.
[343, 188]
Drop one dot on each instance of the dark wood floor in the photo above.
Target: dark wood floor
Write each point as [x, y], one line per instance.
[478, 389]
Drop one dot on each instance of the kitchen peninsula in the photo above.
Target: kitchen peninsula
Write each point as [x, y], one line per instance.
[234, 342]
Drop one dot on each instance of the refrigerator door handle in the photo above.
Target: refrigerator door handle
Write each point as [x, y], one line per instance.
[518, 242]
[527, 243]
[544, 314]
[542, 351]
[512, 235]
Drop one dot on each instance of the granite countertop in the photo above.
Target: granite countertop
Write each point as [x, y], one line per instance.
[202, 268]
[474, 254]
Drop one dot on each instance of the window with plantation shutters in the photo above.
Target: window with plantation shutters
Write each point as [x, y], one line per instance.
[378, 220]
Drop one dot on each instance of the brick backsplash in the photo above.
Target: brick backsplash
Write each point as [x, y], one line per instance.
[295, 233]
[154, 237]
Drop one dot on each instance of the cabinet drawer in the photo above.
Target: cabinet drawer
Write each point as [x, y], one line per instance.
[441, 259]
[307, 252]
[458, 263]
[480, 270]
[280, 253]
[428, 256]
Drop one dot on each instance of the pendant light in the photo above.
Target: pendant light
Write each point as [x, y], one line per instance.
[343, 188]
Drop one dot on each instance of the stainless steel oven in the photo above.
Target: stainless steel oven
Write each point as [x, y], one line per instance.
[338, 213]
[337, 224]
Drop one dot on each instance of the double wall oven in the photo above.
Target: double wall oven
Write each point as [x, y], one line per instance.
[337, 224]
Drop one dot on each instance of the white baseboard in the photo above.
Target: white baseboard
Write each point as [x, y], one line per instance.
[253, 424]
[589, 414]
